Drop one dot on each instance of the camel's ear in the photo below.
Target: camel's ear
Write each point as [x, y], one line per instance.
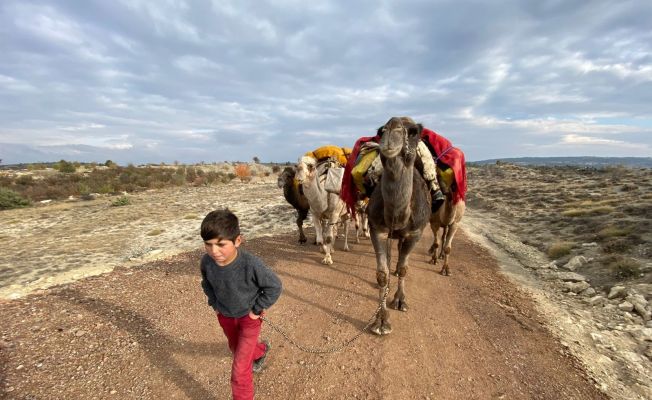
[415, 129]
[379, 132]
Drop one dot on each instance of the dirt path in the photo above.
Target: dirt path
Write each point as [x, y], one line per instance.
[146, 333]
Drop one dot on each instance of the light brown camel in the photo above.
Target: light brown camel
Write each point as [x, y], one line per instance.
[399, 208]
[327, 209]
[447, 217]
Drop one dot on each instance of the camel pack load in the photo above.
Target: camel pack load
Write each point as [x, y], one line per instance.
[332, 159]
[334, 177]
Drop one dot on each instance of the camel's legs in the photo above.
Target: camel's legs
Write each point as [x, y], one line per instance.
[303, 214]
[404, 249]
[365, 225]
[316, 221]
[444, 232]
[398, 246]
[329, 239]
[361, 225]
[358, 226]
[381, 326]
[434, 226]
[447, 247]
[346, 232]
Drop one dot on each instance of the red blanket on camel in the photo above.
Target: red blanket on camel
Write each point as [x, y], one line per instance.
[442, 150]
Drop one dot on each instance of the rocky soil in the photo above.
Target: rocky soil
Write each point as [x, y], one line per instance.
[602, 287]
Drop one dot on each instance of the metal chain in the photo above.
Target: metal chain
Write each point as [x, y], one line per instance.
[348, 342]
[334, 349]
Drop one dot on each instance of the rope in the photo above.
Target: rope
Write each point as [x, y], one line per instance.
[443, 153]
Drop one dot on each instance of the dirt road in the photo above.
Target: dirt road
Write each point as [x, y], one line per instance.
[146, 333]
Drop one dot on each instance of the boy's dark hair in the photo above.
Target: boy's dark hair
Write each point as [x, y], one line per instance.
[220, 224]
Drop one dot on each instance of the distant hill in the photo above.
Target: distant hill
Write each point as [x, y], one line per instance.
[638, 162]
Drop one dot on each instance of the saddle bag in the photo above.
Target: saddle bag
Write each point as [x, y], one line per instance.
[334, 177]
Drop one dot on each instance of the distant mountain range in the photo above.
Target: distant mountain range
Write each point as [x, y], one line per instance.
[638, 162]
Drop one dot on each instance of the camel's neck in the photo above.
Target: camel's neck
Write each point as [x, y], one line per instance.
[397, 191]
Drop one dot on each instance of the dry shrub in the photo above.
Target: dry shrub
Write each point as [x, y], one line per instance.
[612, 231]
[211, 176]
[243, 172]
[622, 267]
[578, 212]
[560, 249]
[614, 246]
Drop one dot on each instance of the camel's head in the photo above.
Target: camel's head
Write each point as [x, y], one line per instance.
[305, 169]
[286, 176]
[400, 136]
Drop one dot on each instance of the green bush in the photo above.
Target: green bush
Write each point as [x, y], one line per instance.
[121, 201]
[83, 188]
[10, 199]
[65, 167]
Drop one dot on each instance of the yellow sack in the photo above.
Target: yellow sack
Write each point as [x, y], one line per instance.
[358, 172]
[446, 176]
[328, 151]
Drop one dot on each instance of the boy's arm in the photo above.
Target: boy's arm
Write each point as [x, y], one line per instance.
[207, 287]
[270, 287]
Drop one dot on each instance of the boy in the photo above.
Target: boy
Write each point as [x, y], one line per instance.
[239, 287]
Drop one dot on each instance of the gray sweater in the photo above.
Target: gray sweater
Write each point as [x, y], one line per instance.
[243, 285]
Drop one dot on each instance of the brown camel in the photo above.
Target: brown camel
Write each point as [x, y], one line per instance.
[294, 195]
[447, 217]
[399, 208]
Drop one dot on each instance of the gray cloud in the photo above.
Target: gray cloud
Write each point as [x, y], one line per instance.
[150, 81]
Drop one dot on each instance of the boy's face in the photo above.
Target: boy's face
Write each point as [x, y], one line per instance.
[222, 251]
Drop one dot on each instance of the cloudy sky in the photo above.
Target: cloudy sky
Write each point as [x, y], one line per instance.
[198, 80]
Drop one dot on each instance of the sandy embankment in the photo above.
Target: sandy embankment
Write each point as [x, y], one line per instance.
[64, 241]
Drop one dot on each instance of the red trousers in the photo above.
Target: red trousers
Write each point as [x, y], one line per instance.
[242, 334]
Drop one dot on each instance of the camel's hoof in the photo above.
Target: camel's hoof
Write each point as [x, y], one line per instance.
[433, 261]
[346, 248]
[327, 261]
[302, 241]
[357, 240]
[399, 305]
[444, 272]
[380, 328]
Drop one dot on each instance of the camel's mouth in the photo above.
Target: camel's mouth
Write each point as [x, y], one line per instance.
[390, 151]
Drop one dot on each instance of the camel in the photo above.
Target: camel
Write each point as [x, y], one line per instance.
[294, 195]
[327, 209]
[399, 208]
[361, 220]
[447, 217]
